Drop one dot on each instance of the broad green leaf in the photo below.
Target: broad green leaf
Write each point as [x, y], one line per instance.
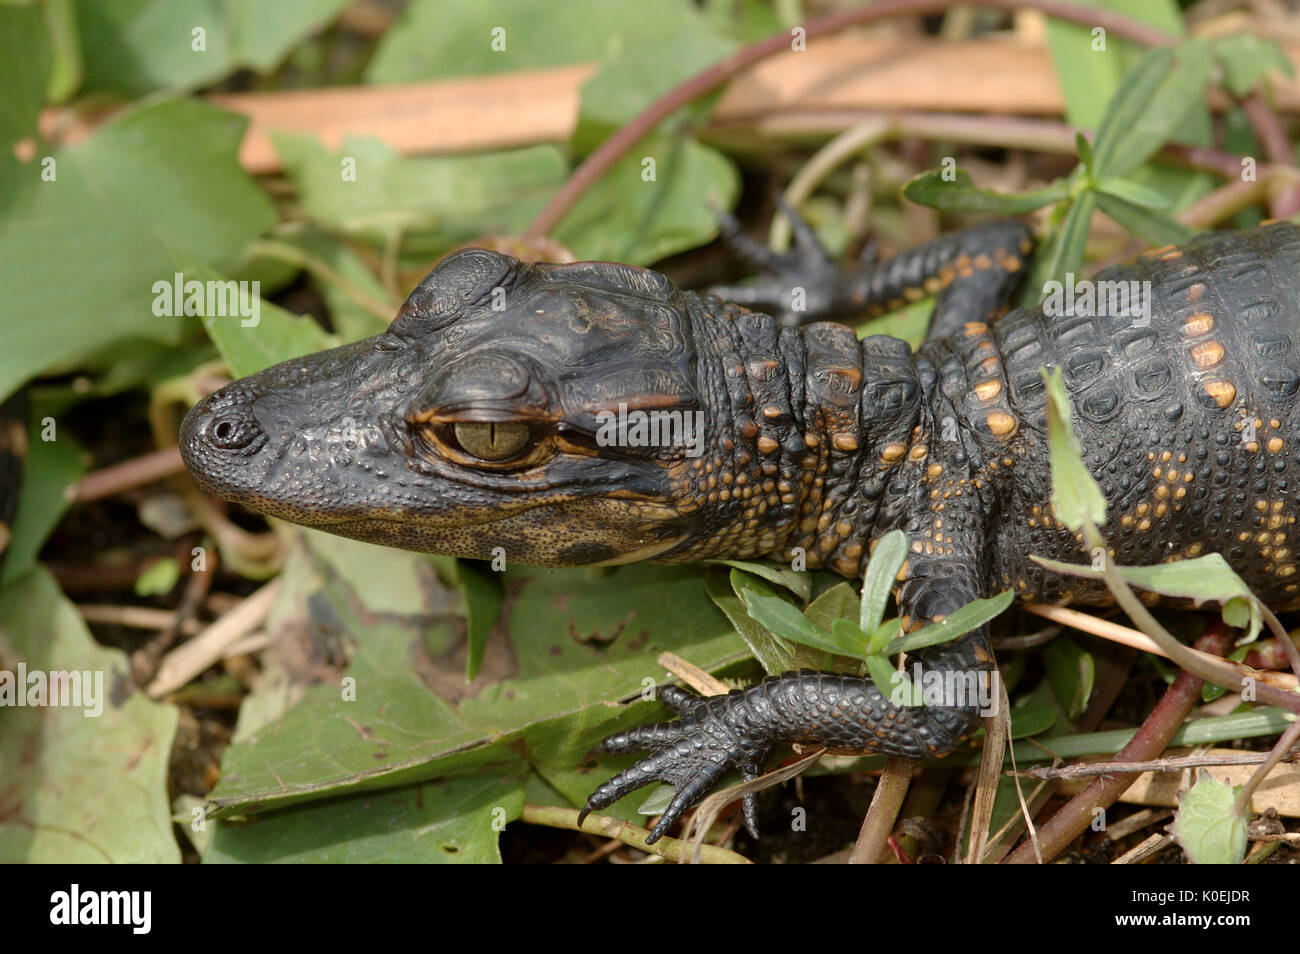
[961, 621]
[626, 85]
[84, 783]
[367, 190]
[1071, 672]
[1076, 498]
[783, 619]
[1197, 579]
[1031, 720]
[797, 582]
[653, 202]
[25, 61]
[838, 602]
[1246, 59]
[887, 558]
[1206, 826]
[435, 39]
[1152, 226]
[774, 654]
[450, 821]
[484, 597]
[893, 684]
[576, 647]
[50, 469]
[153, 192]
[846, 632]
[133, 46]
[250, 344]
[962, 195]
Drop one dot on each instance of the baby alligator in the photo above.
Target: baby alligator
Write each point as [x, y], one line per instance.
[487, 421]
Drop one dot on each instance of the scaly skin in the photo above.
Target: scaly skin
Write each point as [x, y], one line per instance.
[814, 445]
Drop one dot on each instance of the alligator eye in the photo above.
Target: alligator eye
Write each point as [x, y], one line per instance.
[492, 440]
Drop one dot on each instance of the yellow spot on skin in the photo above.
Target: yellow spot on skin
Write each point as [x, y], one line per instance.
[982, 262]
[1252, 446]
[918, 452]
[893, 453]
[1196, 291]
[988, 390]
[913, 294]
[973, 329]
[934, 470]
[1001, 424]
[933, 284]
[1222, 392]
[1207, 354]
[1157, 252]
[1165, 455]
[771, 411]
[1173, 256]
[1194, 549]
[1127, 520]
[1145, 524]
[845, 442]
[767, 446]
[1199, 324]
[1275, 444]
[1009, 263]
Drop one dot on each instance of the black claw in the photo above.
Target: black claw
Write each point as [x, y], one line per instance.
[809, 250]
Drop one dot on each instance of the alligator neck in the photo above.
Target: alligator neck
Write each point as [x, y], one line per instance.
[819, 443]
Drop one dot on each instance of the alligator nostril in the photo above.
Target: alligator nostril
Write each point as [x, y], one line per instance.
[233, 431]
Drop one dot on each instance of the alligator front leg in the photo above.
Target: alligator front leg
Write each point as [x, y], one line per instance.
[972, 273]
[742, 729]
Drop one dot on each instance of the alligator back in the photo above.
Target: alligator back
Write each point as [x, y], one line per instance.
[1185, 403]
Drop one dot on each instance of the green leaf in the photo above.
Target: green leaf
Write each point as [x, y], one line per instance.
[1153, 227]
[1090, 62]
[1152, 105]
[79, 787]
[961, 621]
[838, 602]
[1063, 252]
[1132, 192]
[652, 202]
[774, 654]
[893, 684]
[627, 84]
[576, 647]
[484, 598]
[1247, 59]
[273, 335]
[1071, 672]
[961, 194]
[133, 46]
[783, 619]
[436, 39]
[451, 821]
[1198, 579]
[1076, 498]
[887, 558]
[1206, 826]
[154, 191]
[158, 579]
[369, 191]
[796, 581]
[50, 469]
[846, 632]
[25, 62]
[1084, 148]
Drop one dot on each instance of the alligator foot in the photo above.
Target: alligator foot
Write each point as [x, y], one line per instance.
[692, 754]
[796, 287]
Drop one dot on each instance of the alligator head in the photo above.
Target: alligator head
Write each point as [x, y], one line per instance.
[487, 416]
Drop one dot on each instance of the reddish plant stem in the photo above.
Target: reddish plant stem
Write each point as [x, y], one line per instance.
[1268, 129]
[1149, 741]
[710, 79]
